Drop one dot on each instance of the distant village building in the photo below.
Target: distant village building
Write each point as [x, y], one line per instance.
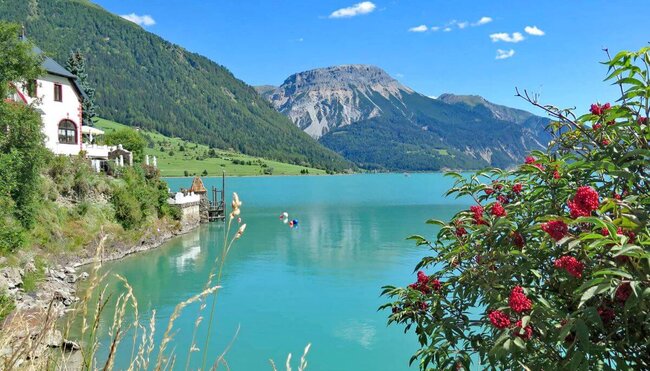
[58, 98]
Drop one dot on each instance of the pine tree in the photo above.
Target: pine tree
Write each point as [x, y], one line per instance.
[76, 64]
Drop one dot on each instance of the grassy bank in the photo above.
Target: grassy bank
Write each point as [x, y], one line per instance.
[177, 157]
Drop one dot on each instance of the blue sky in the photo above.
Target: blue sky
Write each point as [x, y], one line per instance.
[263, 42]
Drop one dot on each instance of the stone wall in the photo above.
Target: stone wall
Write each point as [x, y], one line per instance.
[204, 208]
[189, 205]
[190, 216]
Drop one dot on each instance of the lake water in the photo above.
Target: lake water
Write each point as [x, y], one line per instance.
[318, 283]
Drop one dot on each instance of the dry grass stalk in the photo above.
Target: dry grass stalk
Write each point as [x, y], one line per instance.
[222, 357]
[303, 361]
[26, 347]
[177, 311]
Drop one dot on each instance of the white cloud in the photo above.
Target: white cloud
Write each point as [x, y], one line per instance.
[505, 54]
[354, 10]
[482, 21]
[420, 28]
[515, 37]
[533, 30]
[140, 20]
[449, 26]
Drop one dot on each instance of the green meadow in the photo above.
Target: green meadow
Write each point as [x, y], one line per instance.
[178, 157]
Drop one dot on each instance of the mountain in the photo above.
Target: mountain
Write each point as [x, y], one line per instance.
[324, 99]
[372, 119]
[145, 81]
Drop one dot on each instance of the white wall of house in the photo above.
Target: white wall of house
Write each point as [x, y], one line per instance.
[69, 108]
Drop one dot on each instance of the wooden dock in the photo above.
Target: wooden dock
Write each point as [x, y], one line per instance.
[217, 206]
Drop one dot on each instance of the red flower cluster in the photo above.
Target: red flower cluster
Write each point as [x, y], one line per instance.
[630, 235]
[623, 292]
[607, 315]
[518, 301]
[499, 319]
[556, 174]
[425, 283]
[460, 232]
[517, 188]
[643, 120]
[597, 126]
[605, 142]
[503, 199]
[584, 202]
[518, 240]
[571, 265]
[498, 210]
[557, 229]
[605, 232]
[528, 331]
[489, 191]
[477, 210]
[598, 110]
[531, 161]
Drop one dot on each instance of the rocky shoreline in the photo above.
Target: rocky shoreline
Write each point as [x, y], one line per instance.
[56, 293]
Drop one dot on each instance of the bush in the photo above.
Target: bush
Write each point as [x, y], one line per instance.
[33, 278]
[7, 306]
[141, 195]
[127, 208]
[130, 139]
[268, 171]
[12, 233]
[550, 268]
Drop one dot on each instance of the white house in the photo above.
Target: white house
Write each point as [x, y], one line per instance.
[58, 97]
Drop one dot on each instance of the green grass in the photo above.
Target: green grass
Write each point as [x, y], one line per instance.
[176, 156]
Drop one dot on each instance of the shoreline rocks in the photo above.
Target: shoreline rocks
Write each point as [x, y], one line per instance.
[56, 293]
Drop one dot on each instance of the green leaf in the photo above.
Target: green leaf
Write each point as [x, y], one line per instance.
[436, 222]
[612, 272]
[519, 342]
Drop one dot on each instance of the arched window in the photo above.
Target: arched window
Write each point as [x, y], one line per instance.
[67, 132]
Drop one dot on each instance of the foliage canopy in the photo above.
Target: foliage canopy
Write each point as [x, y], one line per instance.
[551, 266]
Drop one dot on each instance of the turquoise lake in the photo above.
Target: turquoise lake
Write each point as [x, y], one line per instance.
[318, 283]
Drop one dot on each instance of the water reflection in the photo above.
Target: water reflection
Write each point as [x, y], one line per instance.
[285, 286]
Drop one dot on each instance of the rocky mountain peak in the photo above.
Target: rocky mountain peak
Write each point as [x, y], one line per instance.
[359, 75]
[322, 99]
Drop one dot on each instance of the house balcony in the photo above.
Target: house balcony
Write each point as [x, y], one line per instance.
[65, 149]
[97, 151]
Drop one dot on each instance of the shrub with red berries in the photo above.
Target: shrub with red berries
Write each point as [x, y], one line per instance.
[550, 266]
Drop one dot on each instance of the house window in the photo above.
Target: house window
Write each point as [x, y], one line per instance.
[67, 132]
[32, 89]
[58, 93]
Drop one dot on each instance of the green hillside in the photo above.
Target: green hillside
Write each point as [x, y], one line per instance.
[435, 135]
[177, 156]
[145, 81]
